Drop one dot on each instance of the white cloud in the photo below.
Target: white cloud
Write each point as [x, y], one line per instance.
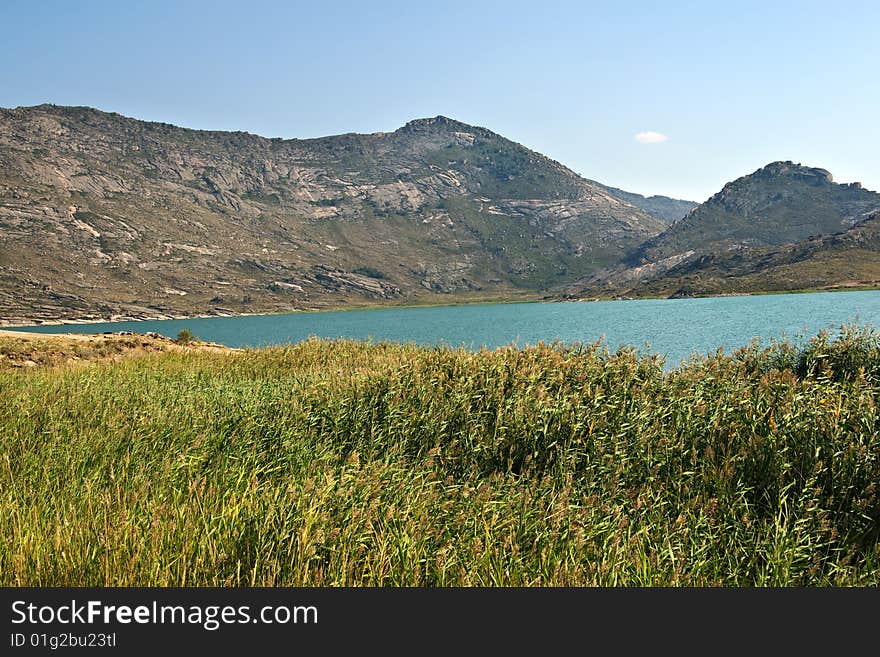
[650, 137]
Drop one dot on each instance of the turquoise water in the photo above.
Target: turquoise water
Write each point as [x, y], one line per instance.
[675, 328]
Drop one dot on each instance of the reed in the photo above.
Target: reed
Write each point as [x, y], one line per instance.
[355, 463]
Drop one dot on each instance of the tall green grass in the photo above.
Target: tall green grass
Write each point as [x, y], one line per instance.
[349, 463]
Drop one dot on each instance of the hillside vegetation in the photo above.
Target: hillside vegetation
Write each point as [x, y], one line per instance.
[350, 463]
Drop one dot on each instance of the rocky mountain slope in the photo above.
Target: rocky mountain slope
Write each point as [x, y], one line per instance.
[666, 209]
[844, 260]
[106, 216]
[786, 226]
[779, 203]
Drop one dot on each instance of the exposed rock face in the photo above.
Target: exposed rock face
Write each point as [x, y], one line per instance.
[104, 215]
[336, 280]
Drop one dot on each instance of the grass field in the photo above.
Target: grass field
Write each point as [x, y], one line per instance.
[349, 463]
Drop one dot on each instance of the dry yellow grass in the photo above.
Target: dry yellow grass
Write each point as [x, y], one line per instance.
[19, 349]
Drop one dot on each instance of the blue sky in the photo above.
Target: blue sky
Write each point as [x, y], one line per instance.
[731, 86]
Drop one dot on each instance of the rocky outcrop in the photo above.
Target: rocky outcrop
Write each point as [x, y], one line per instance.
[337, 280]
[810, 175]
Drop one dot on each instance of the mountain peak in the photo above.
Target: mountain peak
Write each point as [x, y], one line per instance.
[789, 169]
[438, 122]
[768, 178]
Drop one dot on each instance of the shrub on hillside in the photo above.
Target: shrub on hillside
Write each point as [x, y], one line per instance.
[185, 336]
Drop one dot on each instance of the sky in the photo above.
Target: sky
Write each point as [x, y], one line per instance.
[672, 98]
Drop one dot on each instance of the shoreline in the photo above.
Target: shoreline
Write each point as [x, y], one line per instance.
[161, 317]
[16, 325]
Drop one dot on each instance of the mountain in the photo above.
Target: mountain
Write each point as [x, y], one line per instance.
[844, 260]
[107, 216]
[779, 203]
[666, 209]
[783, 227]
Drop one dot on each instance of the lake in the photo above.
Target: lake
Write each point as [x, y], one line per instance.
[675, 328]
